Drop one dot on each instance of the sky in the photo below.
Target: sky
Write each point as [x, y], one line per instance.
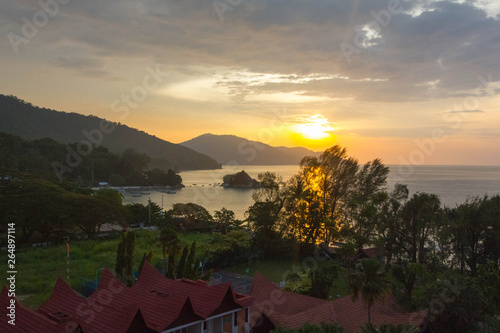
[410, 82]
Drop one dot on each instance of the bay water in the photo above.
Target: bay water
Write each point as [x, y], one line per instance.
[453, 184]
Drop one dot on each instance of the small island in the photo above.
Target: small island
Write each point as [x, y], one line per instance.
[239, 180]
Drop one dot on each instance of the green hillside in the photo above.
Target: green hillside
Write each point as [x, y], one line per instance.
[31, 122]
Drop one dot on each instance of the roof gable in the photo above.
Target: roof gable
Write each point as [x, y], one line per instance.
[27, 320]
[287, 309]
[228, 303]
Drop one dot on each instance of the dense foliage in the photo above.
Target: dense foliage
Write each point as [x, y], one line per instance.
[56, 161]
[427, 247]
[33, 123]
[444, 259]
[239, 179]
[44, 211]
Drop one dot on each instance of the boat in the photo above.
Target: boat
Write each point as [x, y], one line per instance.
[171, 192]
[136, 195]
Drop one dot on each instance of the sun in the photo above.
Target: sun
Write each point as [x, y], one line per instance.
[315, 127]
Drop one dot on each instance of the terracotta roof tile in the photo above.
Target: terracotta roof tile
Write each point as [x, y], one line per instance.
[154, 304]
[290, 310]
[353, 315]
[27, 320]
[287, 309]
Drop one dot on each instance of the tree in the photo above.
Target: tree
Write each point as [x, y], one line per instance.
[488, 279]
[90, 213]
[146, 257]
[368, 280]
[173, 251]
[181, 267]
[389, 328]
[389, 222]
[125, 258]
[322, 281]
[455, 304]
[223, 250]
[264, 216]
[225, 219]
[473, 231]
[316, 283]
[420, 214]
[299, 282]
[111, 196]
[168, 241]
[158, 177]
[121, 254]
[190, 269]
[132, 165]
[129, 259]
[367, 199]
[332, 193]
[139, 213]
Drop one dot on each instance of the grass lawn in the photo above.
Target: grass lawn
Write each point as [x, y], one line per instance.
[276, 270]
[38, 268]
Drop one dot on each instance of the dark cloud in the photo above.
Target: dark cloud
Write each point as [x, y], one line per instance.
[450, 44]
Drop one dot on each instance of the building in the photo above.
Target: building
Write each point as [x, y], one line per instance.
[274, 308]
[154, 304]
[158, 304]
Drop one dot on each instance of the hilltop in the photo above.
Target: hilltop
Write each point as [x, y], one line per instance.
[228, 149]
[32, 123]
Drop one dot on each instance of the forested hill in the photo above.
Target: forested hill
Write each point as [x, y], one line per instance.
[230, 148]
[31, 122]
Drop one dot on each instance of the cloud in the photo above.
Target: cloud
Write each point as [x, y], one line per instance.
[271, 53]
[466, 111]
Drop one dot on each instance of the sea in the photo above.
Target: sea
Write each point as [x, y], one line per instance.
[453, 184]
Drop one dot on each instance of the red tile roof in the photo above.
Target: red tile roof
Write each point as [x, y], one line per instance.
[205, 299]
[353, 315]
[155, 303]
[290, 310]
[371, 252]
[93, 315]
[27, 320]
[287, 309]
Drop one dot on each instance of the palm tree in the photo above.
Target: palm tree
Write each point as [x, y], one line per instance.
[368, 279]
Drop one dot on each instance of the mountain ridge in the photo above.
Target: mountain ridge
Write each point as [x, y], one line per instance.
[31, 122]
[231, 149]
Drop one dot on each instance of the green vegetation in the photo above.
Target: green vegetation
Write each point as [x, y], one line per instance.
[317, 282]
[35, 123]
[239, 179]
[389, 328]
[96, 164]
[38, 268]
[426, 246]
[368, 281]
[278, 269]
[43, 211]
[226, 250]
[442, 259]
